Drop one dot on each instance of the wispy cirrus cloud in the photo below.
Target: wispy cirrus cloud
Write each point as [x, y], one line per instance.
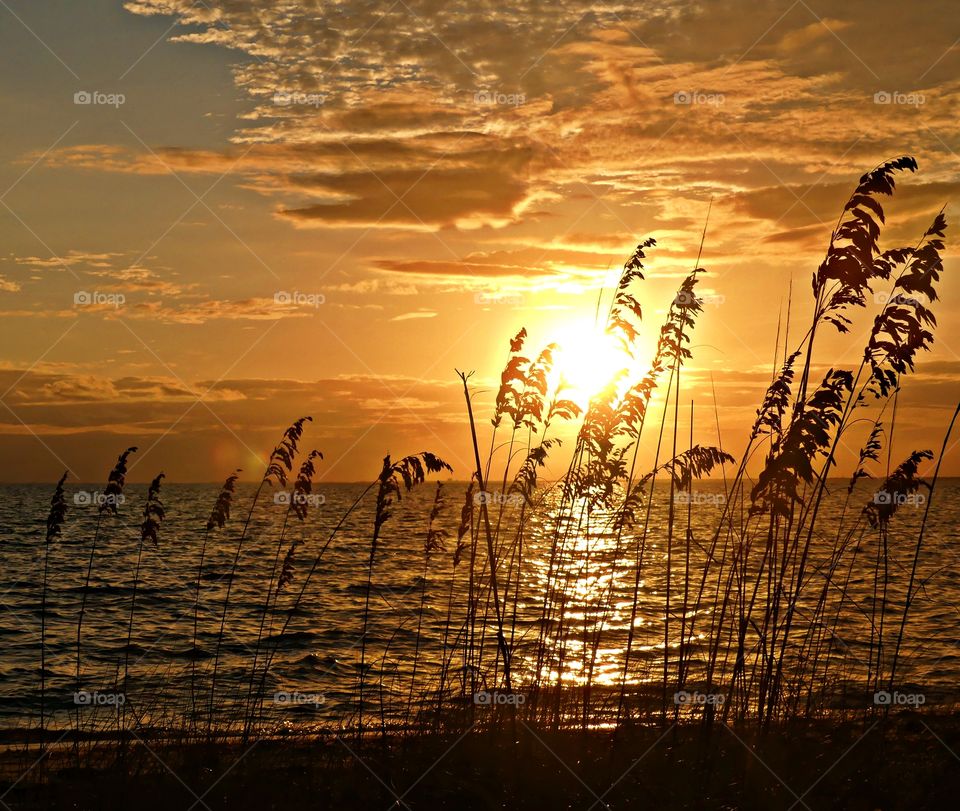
[416, 125]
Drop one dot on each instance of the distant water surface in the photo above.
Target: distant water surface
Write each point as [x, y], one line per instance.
[319, 654]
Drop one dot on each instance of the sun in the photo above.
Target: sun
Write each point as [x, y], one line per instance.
[587, 359]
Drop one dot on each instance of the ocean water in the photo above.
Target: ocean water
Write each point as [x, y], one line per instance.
[314, 671]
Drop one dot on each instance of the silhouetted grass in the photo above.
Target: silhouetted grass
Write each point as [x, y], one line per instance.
[749, 607]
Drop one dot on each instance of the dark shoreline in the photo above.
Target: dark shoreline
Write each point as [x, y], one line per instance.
[906, 761]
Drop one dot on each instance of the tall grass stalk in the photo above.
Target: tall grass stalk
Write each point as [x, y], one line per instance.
[219, 515]
[278, 466]
[918, 548]
[299, 500]
[485, 519]
[153, 515]
[407, 473]
[111, 498]
[433, 542]
[55, 520]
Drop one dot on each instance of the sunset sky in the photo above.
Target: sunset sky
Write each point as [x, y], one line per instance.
[218, 216]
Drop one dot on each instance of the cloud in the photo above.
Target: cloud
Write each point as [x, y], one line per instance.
[424, 116]
[474, 270]
[539, 143]
[419, 182]
[82, 416]
[415, 315]
[69, 260]
[107, 286]
[66, 398]
[203, 311]
[491, 193]
[189, 311]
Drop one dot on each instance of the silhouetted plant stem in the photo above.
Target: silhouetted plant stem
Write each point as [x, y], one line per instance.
[83, 608]
[908, 602]
[278, 465]
[55, 519]
[682, 650]
[408, 471]
[195, 652]
[250, 707]
[670, 524]
[153, 515]
[491, 557]
[292, 610]
[226, 606]
[112, 496]
[219, 515]
[366, 621]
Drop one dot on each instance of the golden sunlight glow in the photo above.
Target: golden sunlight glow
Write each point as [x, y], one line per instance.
[587, 359]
